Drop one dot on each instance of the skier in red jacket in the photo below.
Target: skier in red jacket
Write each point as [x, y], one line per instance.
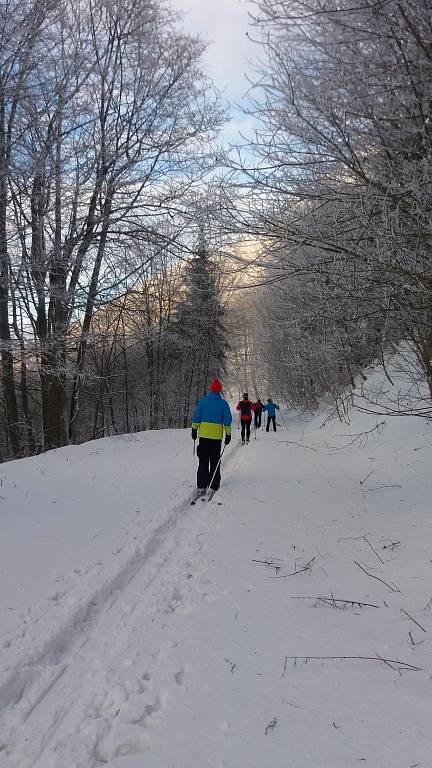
[245, 407]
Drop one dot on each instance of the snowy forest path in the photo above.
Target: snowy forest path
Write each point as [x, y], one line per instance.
[255, 632]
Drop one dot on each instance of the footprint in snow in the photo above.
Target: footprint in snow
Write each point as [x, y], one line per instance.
[121, 740]
[179, 677]
[54, 598]
[173, 602]
[154, 707]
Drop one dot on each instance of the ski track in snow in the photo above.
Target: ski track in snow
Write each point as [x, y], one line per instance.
[177, 656]
[46, 673]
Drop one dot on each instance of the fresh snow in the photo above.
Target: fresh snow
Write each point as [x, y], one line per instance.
[138, 631]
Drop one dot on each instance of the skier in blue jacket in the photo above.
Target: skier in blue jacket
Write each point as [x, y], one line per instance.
[211, 418]
[271, 409]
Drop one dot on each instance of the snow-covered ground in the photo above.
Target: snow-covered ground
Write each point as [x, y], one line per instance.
[140, 632]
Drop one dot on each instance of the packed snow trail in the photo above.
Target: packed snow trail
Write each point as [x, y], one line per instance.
[197, 659]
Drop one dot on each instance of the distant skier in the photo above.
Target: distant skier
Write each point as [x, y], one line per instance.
[211, 418]
[258, 411]
[246, 407]
[271, 409]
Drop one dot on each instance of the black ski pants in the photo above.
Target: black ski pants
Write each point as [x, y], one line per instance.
[245, 427]
[271, 419]
[208, 454]
[257, 419]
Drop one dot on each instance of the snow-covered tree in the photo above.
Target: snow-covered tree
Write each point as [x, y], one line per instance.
[198, 330]
[343, 170]
[106, 121]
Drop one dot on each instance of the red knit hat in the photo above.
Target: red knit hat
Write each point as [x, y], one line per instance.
[216, 386]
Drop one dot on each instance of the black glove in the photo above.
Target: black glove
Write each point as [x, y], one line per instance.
[194, 434]
[227, 439]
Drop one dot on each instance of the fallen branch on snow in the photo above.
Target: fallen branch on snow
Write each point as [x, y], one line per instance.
[413, 642]
[332, 600]
[362, 482]
[410, 617]
[396, 664]
[359, 439]
[380, 487]
[392, 545]
[392, 587]
[293, 442]
[373, 550]
[269, 563]
[306, 567]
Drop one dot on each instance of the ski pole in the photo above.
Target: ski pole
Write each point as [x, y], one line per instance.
[214, 473]
[193, 461]
[286, 427]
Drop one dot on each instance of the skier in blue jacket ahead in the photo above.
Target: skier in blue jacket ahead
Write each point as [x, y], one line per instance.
[271, 409]
[211, 418]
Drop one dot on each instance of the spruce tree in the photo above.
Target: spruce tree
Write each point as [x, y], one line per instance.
[199, 332]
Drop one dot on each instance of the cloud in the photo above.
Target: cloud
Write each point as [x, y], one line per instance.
[224, 23]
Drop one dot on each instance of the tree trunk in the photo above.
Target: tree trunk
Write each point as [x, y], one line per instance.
[91, 299]
[126, 378]
[53, 370]
[53, 399]
[424, 347]
[25, 404]
[7, 367]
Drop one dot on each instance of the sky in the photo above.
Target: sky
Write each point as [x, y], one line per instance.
[224, 23]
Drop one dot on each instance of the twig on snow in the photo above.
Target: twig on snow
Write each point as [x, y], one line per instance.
[392, 587]
[373, 550]
[293, 442]
[353, 538]
[387, 662]
[296, 706]
[365, 478]
[392, 545]
[269, 563]
[306, 567]
[415, 622]
[361, 438]
[271, 725]
[399, 665]
[333, 600]
[413, 643]
[380, 487]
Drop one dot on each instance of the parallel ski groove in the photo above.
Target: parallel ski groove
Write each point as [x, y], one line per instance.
[23, 686]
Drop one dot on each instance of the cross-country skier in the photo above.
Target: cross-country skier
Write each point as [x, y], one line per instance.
[258, 411]
[245, 407]
[271, 409]
[211, 418]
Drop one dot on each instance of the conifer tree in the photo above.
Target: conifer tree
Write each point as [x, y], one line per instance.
[200, 335]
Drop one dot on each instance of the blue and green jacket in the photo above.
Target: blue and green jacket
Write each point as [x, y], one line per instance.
[212, 416]
[271, 409]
